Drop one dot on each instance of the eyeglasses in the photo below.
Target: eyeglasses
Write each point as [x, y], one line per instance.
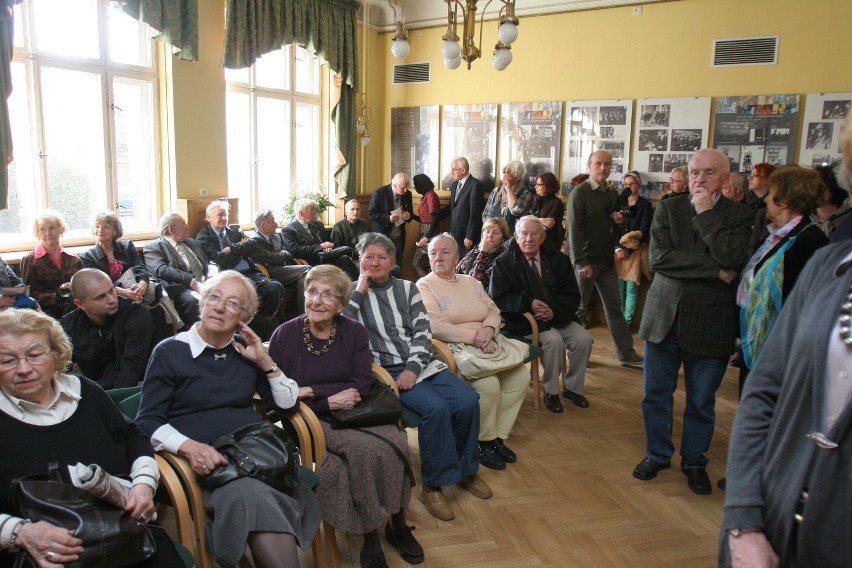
[674, 180]
[184, 226]
[325, 297]
[9, 362]
[232, 306]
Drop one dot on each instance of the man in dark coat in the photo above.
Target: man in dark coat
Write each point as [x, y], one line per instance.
[307, 238]
[467, 200]
[385, 204]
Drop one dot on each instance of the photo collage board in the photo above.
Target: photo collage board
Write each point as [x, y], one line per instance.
[824, 118]
[592, 126]
[414, 131]
[531, 133]
[470, 131]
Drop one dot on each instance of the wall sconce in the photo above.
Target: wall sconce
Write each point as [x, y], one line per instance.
[362, 118]
[469, 50]
[399, 48]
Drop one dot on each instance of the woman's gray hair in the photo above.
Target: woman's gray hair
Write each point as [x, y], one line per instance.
[333, 276]
[111, 219]
[250, 303]
[515, 169]
[49, 216]
[261, 216]
[445, 237]
[167, 221]
[303, 203]
[370, 239]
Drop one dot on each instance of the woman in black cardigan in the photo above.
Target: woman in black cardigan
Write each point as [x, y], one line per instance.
[548, 207]
[116, 257]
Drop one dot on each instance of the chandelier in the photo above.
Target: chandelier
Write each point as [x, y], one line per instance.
[469, 50]
[399, 47]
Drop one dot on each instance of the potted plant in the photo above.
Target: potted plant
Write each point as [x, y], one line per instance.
[321, 200]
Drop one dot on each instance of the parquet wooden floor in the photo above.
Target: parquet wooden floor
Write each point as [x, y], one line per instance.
[571, 500]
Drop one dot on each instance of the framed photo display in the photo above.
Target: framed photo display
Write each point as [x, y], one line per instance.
[414, 131]
[531, 133]
[592, 126]
[470, 131]
[825, 116]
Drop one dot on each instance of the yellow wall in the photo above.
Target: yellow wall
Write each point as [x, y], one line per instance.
[610, 54]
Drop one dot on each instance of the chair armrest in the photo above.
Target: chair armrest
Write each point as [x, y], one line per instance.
[445, 354]
[380, 373]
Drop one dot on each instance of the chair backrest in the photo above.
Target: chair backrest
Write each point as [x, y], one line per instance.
[130, 405]
[118, 395]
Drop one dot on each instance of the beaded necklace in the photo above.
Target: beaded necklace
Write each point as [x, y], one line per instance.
[309, 342]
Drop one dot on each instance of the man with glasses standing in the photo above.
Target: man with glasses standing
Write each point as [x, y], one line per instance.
[180, 264]
[467, 200]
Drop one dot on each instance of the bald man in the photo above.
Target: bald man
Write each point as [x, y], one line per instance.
[111, 336]
[384, 211]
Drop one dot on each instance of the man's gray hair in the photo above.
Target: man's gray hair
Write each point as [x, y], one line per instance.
[445, 237]
[167, 221]
[530, 219]
[515, 169]
[735, 179]
[303, 203]
[218, 204]
[350, 202]
[261, 215]
[463, 161]
[724, 160]
[369, 239]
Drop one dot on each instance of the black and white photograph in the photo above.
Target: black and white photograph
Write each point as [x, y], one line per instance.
[613, 115]
[572, 148]
[616, 149]
[576, 128]
[686, 139]
[776, 155]
[760, 123]
[617, 168]
[531, 133]
[733, 154]
[819, 136]
[655, 163]
[757, 135]
[470, 131]
[779, 134]
[608, 132]
[672, 161]
[653, 140]
[731, 133]
[820, 160]
[835, 109]
[751, 155]
[655, 115]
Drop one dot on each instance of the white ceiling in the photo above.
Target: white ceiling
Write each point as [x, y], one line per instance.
[429, 13]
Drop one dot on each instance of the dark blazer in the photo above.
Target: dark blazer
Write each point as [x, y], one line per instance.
[554, 208]
[124, 252]
[513, 291]
[302, 244]
[382, 203]
[165, 263]
[345, 233]
[209, 242]
[686, 254]
[258, 249]
[8, 278]
[465, 213]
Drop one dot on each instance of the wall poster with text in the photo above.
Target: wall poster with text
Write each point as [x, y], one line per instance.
[823, 127]
[592, 126]
[531, 133]
[756, 129]
[414, 150]
[667, 133]
[470, 131]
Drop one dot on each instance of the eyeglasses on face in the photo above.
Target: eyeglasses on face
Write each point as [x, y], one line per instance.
[9, 362]
[675, 180]
[232, 306]
[326, 297]
[181, 226]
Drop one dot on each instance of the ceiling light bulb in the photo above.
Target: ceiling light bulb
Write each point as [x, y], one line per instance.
[365, 140]
[400, 48]
[451, 50]
[453, 63]
[360, 128]
[507, 33]
[502, 58]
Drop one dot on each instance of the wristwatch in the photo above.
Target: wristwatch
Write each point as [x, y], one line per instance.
[274, 369]
[740, 532]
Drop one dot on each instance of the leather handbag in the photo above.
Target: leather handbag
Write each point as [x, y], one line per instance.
[260, 450]
[474, 363]
[111, 537]
[378, 408]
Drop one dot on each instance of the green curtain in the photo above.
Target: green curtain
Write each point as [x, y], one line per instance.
[326, 28]
[7, 42]
[175, 20]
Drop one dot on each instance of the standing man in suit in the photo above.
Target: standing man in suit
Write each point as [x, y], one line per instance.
[467, 200]
[306, 238]
[180, 264]
[216, 239]
[698, 246]
[267, 247]
[383, 204]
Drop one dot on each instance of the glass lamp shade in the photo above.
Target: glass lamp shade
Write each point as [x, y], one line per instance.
[365, 140]
[502, 58]
[400, 48]
[360, 128]
[507, 33]
[453, 63]
[451, 50]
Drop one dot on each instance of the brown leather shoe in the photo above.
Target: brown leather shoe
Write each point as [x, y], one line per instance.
[435, 503]
[477, 486]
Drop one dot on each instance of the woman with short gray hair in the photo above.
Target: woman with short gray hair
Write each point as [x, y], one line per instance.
[510, 200]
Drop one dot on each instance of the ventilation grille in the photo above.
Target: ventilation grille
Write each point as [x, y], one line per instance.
[412, 73]
[745, 51]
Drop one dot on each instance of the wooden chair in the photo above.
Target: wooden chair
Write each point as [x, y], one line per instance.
[533, 357]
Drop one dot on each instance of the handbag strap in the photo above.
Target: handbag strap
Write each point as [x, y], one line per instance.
[399, 453]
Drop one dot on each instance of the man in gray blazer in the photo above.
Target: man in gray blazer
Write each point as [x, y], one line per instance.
[698, 246]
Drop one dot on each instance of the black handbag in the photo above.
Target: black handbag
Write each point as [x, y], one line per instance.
[262, 451]
[379, 407]
[111, 538]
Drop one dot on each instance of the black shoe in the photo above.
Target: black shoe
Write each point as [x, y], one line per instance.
[489, 457]
[551, 402]
[648, 469]
[698, 480]
[405, 543]
[577, 399]
[722, 483]
[504, 452]
[376, 560]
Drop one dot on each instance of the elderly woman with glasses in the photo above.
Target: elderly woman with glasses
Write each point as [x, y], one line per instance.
[328, 355]
[509, 200]
[199, 386]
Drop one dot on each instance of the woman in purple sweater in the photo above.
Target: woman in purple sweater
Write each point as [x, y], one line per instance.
[328, 355]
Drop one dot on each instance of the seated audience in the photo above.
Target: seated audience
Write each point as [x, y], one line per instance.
[479, 262]
[49, 268]
[533, 276]
[216, 238]
[347, 231]
[51, 417]
[180, 264]
[111, 335]
[328, 355]
[548, 207]
[10, 298]
[200, 386]
[427, 216]
[401, 342]
[460, 311]
[306, 238]
[835, 205]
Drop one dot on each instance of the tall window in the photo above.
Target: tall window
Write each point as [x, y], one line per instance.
[83, 118]
[273, 130]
